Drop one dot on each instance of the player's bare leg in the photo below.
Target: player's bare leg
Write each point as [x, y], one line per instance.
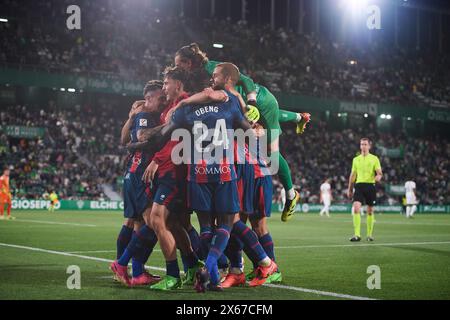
[158, 222]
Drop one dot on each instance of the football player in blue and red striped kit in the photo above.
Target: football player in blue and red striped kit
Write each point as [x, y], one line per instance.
[255, 191]
[170, 217]
[137, 194]
[167, 198]
[212, 188]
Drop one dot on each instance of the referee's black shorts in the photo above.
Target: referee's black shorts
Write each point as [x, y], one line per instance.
[365, 193]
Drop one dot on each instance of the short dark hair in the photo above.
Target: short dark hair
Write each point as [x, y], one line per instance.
[230, 70]
[153, 85]
[177, 73]
[366, 139]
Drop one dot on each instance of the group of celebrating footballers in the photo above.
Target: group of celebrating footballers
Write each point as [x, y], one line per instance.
[224, 190]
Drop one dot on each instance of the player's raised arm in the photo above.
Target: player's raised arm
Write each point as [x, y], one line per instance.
[125, 132]
[249, 88]
[157, 136]
[206, 96]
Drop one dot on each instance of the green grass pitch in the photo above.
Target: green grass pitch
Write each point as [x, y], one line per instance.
[314, 255]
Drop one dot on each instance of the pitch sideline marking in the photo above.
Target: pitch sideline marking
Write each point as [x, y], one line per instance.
[318, 292]
[53, 222]
[341, 219]
[62, 253]
[356, 245]
[103, 251]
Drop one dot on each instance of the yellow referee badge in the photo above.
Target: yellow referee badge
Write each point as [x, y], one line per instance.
[252, 113]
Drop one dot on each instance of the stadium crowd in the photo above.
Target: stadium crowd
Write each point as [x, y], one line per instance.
[139, 44]
[74, 157]
[80, 151]
[326, 153]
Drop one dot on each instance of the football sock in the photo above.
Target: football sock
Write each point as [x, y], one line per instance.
[222, 263]
[123, 239]
[144, 248]
[267, 243]
[291, 194]
[251, 255]
[249, 238]
[195, 239]
[234, 251]
[370, 218]
[189, 261]
[145, 237]
[357, 224]
[129, 250]
[136, 267]
[172, 268]
[184, 261]
[206, 235]
[218, 245]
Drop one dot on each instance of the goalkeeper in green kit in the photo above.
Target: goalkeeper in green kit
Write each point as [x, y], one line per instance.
[191, 58]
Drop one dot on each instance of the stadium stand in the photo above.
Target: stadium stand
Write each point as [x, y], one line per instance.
[83, 143]
[376, 73]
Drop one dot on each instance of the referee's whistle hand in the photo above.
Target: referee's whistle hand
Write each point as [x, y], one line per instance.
[349, 194]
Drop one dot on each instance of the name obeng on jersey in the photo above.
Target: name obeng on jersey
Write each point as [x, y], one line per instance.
[206, 109]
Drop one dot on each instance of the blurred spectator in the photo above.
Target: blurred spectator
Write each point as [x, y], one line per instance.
[80, 151]
[137, 43]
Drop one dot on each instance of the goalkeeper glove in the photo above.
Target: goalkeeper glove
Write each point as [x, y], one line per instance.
[252, 114]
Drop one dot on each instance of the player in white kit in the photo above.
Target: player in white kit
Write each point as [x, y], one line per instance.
[325, 197]
[411, 200]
